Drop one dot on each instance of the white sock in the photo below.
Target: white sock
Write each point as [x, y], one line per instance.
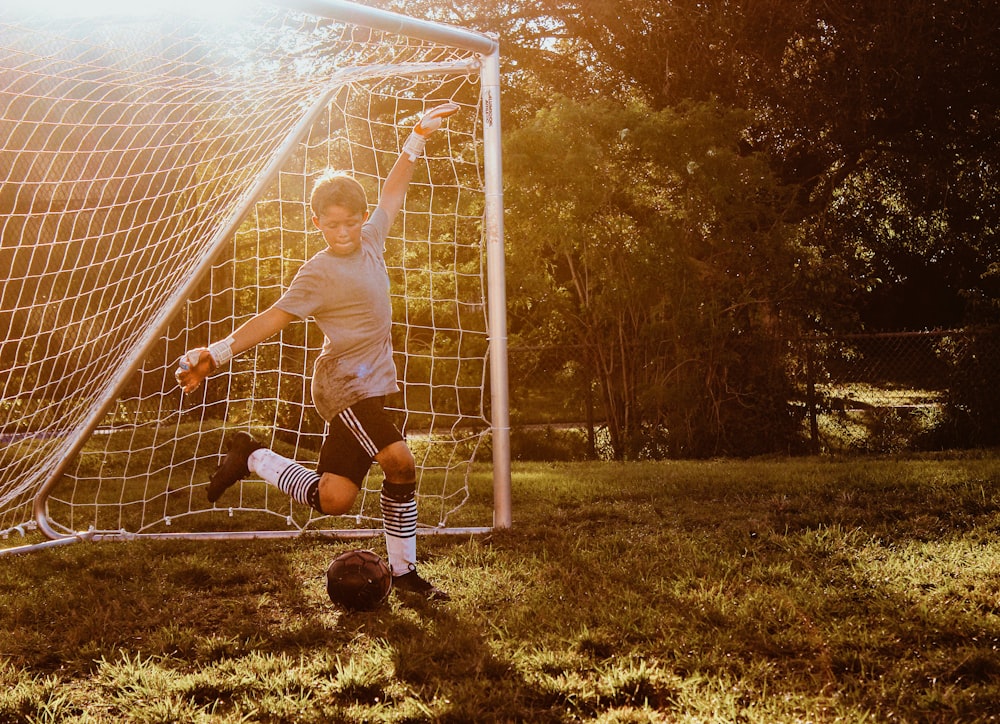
[299, 483]
[399, 516]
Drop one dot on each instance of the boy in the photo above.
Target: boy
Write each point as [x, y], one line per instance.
[345, 288]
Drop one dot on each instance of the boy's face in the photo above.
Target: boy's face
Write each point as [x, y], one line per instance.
[341, 228]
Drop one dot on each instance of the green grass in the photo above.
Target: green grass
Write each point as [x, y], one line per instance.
[811, 590]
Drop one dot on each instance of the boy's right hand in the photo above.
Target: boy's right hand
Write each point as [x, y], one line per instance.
[193, 367]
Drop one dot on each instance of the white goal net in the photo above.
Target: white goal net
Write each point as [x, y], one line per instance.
[154, 175]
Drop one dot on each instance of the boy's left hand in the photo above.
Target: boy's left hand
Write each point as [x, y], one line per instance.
[432, 119]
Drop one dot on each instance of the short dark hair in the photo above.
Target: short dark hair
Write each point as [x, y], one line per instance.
[338, 188]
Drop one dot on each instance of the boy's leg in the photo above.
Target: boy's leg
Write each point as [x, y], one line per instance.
[245, 455]
[375, 433]
[399, 515]
[399, 506]
[344, 461]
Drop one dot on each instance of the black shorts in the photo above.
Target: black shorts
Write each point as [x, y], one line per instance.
[356, 436]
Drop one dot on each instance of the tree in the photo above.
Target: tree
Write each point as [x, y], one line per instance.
[895, 114]
[655, 244]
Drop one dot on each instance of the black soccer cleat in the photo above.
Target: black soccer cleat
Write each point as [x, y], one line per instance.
[233, 467]
[412, 583]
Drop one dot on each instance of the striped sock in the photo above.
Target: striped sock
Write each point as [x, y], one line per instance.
[399, 516]
[299, 483]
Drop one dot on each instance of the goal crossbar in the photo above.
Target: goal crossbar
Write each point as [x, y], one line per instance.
[398, 24]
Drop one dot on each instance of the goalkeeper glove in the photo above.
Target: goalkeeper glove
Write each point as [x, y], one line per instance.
[197, 364]
[428, 123]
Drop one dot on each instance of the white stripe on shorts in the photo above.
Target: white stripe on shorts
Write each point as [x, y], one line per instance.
[352, 423]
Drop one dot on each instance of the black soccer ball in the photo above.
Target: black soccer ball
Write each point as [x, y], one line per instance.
[358, 580]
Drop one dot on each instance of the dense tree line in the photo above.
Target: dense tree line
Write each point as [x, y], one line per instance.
[699, 179]
[880, 116]
[689, 181]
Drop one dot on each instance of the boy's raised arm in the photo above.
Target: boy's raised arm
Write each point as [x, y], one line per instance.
[394, 188]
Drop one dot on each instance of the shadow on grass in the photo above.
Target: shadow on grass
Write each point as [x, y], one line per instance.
[241, 617]
[73, 606]
[757, 591]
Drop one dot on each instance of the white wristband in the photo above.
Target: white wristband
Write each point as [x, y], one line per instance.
[414, 146]
[222, 351]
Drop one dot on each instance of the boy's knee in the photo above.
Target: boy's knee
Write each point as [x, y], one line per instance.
[336, 494]
[404, 472]
[397, 463]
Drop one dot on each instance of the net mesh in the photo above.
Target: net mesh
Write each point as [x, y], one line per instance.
[154, 175]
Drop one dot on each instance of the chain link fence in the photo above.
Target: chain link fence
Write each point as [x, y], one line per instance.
[897, 392]
[879, 393]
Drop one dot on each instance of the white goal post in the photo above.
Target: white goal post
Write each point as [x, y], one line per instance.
[154, 179]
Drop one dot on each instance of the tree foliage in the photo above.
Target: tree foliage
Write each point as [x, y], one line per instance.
[883, 115]
[853, 186]
[656, 244]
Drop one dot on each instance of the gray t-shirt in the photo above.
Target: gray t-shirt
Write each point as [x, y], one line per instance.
[348, 297]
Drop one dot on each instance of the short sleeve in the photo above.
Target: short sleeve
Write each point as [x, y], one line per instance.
[301, 298]
[375, 230]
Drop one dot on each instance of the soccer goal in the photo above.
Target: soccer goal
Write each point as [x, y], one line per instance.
[154, 176]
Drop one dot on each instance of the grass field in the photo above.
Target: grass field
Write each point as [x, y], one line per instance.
[803, 590]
